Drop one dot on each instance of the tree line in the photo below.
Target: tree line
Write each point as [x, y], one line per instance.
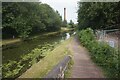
[23, 19]
[99, 15]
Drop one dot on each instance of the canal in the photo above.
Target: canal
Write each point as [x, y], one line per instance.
[15, 51]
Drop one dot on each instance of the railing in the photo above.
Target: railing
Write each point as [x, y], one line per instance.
[59, 70]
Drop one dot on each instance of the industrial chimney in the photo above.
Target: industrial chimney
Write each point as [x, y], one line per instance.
[64, 14]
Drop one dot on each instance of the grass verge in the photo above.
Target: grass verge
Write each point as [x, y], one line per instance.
[9, 41]
[69, 69]
[12, 41]
[41, 68]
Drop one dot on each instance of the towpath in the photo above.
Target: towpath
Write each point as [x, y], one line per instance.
[83, 66]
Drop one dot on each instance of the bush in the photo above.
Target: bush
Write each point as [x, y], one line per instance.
[104, 55]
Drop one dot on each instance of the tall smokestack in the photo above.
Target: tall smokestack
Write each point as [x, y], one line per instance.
[64, 14]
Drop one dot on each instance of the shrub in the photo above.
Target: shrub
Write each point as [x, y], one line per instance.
[104, 55]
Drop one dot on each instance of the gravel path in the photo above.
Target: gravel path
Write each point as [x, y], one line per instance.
[83, 66]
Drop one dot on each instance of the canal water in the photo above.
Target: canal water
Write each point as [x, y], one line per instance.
[19, 49]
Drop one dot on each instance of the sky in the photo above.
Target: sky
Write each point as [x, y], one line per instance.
[59, 5]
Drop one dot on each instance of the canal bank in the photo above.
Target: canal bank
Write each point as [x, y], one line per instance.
[21, 53]
[15, 40]
[23, 47]
[40, 69]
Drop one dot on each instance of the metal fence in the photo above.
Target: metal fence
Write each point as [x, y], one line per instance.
[103, 35]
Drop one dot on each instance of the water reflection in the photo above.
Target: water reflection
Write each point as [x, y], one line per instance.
[67, 35]
[74, 33]
[23, 48]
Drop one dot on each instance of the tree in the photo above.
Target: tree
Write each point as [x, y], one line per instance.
[71, 24]
[98, 15]
[27, 18]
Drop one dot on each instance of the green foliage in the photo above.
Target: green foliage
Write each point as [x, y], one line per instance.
[8, 69]
[72, 25]
[104, 55]
[13, 69]
[69, 69]
[98, 15]
[29, 17]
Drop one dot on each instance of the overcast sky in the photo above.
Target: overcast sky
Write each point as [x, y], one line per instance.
[70, 5]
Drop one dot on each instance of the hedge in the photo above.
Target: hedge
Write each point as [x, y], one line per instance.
[101, 53]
